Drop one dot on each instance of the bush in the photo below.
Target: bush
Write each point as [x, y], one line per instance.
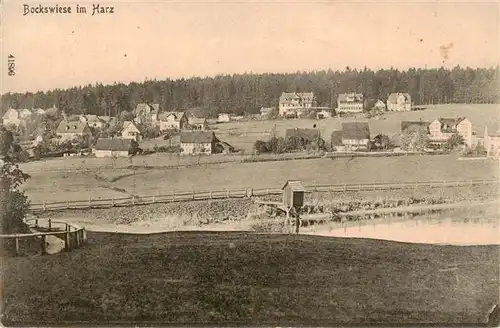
[276, 145]
[260, 147]
[167, 149]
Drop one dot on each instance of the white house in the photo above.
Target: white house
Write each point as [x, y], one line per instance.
[197, 142]
[24, 113]
[399, 102]
[379, 105]
[130, 131]
[95, 122]
[112, 147]
[172, 121]
[145, 112]
[323, 114]
[11, 117]
[296, 104]
[350, 103]
[224, 118]
[440, 130]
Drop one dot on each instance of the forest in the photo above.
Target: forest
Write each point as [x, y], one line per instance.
[247, 93]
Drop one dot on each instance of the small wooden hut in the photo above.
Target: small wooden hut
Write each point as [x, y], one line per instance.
[293, 194]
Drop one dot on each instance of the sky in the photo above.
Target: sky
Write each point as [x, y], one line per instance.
[172, 39]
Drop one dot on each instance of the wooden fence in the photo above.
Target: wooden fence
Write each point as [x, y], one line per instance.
[177, 196]
[73, 236]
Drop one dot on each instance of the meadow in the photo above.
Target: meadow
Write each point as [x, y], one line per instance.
[80, 185]
[251, 279]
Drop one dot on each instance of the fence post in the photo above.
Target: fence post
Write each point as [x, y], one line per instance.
[44, 244]
[113, 201]
[77, 238]
[210, 194]
[44, 206]
[153, 199]
[17, 246]
[84, 235]
[90, 202]
[345, 186]
[67, 204]
[36, 223]
[50, 224]
[133, 200]
[67, 245]
[228, 193]
[193, 194]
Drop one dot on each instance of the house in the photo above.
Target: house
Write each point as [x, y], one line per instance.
[130, 131]
[112, 147]
[379, 105]
[24, 113]
[399, 102]
[172, 121]
[355, 135]
[440, 130]
[324, 113]
[11, 117]
[350, 103]
[307, 135]
[38, 111]
[224, 117]
[197, 123]
[296, 104]
[198, 142]
[266, 111]
[145, 112]
[68, 130]
[94, 121]
[491, 142]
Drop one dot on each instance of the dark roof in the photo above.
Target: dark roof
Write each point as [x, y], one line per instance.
[355, 130]
[337, 138]
[306, 134]
[72, 127]
[147, 108]
[406, 124]
[197, 136]
[113, 144]
[295, 185]
[350, 97]
[450, 122]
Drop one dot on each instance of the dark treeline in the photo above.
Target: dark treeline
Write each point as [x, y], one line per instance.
[246, 93]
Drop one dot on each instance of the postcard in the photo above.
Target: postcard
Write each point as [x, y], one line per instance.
[249, 163]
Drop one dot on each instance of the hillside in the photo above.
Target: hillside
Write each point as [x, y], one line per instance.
[243, 278]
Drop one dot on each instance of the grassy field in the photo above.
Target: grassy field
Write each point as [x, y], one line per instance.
[243, 278]
[76, 185]
[243, 135]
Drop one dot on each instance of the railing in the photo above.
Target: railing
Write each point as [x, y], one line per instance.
[177, 196]
[73, 236]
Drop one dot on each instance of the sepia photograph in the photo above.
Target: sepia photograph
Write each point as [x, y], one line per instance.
[249, 163]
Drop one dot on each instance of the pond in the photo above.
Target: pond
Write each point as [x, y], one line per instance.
[452, 228]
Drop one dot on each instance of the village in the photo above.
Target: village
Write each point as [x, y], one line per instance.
[188, 133]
